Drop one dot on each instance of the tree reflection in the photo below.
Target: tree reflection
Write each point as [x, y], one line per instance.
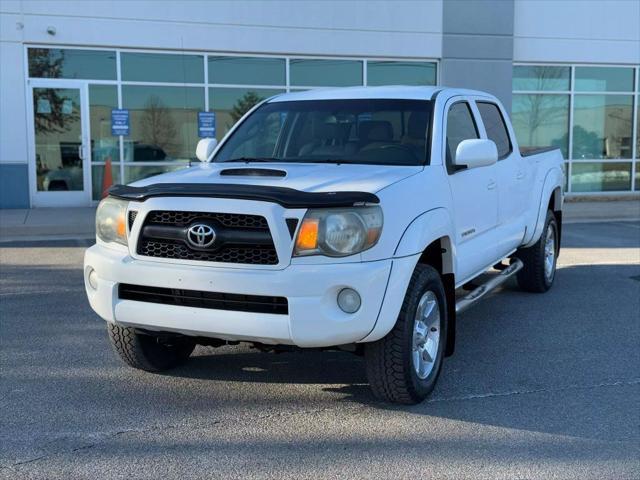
[156, 124]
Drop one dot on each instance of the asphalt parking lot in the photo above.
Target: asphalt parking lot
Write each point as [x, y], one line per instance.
[541, 386]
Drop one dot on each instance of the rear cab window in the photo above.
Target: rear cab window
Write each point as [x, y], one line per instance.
[496, 128]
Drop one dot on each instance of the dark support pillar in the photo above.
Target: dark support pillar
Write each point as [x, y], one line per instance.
[477, 46]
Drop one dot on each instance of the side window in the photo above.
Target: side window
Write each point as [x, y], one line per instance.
[495, 127]
[460, 126]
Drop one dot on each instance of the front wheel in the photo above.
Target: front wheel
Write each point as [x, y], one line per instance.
[540, 259]
[403, 367]
[147, 351]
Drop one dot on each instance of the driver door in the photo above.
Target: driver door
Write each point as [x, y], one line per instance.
[474, 193]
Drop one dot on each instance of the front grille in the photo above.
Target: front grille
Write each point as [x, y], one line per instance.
[229, 220]
[132, 218]
[232, 230]
[200, 299]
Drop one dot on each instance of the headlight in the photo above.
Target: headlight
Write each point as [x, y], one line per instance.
[338, 232]
[111, 225]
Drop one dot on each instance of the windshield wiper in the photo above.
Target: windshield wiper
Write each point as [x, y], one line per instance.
[253, 159]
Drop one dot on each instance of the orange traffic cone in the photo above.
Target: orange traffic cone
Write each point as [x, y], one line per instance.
[107, 178]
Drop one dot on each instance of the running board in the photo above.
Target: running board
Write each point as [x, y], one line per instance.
[497, 280]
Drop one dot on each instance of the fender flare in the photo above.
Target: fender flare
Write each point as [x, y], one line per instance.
[553, 180]
[423, 230]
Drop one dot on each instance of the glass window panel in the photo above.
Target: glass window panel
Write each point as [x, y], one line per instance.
[600, 177]
[638, 127]
[604, 79]
[58, 137]
[565, 170]
[325, 73]
[72, 63]
[401, 73]
[602, 126]
[164, 122]
[230, 104]
[495, 127]
[103, 99]
[541, 121]
[133, 173]
[97, 176]
[247, 70]
[460, 126]
[158, 67]
[541, 77]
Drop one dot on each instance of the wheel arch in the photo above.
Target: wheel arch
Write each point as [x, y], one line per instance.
[428, 240]
[551, 197]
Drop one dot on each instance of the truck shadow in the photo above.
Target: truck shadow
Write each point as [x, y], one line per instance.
[525, 361]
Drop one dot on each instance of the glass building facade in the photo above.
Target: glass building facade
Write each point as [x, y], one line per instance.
[590, 113]
[164, 92]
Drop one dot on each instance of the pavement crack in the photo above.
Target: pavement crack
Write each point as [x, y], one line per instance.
[474, 396]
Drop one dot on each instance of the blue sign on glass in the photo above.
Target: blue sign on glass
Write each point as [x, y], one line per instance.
[206, 124]
[119, 122]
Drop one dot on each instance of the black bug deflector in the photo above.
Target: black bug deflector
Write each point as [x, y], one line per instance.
[286, 197]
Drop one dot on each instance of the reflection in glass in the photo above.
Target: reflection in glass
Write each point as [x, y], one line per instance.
[247, 70]
[58, 138]
[401, 73]
[164, 122]
[325, 73]
[97, 177]
[604, 79]
[637, 128]
[600, 176]
[72, 63]
[159, 67]
[134, 173]
[541, 120]
[103, 99]
[230, 104]
[541, 77]
[602, 126]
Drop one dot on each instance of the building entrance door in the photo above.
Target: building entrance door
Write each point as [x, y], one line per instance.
[59, 166]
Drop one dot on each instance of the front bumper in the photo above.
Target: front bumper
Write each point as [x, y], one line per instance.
[313, 320]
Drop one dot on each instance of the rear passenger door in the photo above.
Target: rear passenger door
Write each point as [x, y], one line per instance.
[511, 175]
[474, 193]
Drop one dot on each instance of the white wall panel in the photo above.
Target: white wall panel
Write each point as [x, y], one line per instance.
[577, 31]
[13, 123]
[352, 28]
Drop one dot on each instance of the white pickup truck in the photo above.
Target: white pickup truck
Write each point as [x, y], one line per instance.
[361, 219]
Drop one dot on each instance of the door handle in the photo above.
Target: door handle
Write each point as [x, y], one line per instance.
[81, 152]
[491, 185]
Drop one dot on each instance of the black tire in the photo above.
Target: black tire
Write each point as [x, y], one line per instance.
[146, 352]
[533, 277]
[389, 363]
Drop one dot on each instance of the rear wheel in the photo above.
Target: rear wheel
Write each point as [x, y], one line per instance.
[539, 260]
[147, 351]
[403, 367]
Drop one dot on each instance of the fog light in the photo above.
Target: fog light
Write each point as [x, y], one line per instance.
[93, 279]
[349, 300]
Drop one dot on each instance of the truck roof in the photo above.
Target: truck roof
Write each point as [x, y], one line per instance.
[392, 91]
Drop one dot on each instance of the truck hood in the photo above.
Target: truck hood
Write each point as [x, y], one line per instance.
[304, 177]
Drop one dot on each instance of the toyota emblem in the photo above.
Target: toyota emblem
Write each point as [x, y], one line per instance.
[201, 235]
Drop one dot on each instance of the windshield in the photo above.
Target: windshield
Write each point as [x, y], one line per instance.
[368, 131]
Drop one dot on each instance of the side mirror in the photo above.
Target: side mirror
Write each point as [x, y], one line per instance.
[205, 149]
[476, 153]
